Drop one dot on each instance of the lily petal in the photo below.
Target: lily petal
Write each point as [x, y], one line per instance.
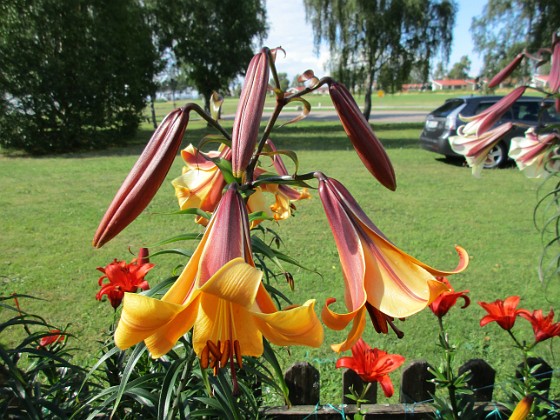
[298, 325]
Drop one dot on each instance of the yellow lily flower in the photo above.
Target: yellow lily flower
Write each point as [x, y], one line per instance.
[201, 184]
[221, 295]
[379, 277]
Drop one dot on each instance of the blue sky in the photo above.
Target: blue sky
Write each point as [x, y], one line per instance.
[288, 29]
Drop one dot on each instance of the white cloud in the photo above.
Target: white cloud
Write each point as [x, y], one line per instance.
[288, 28]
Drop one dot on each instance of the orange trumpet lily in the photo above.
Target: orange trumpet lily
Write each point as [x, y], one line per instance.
[219, 293]
[376, 273]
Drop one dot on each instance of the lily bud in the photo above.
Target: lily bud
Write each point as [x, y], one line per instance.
[143, 256]
[506, 71]
[523, 408]
[249, 113]
[145, 177]
[367, 145]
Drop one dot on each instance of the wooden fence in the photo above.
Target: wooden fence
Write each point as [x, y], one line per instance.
[415, 393]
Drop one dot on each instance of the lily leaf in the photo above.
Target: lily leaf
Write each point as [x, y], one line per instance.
[289, 153]
[304, 113]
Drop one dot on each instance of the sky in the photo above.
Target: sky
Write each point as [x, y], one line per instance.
[288, 29]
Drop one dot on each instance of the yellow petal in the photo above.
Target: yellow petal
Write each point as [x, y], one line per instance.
[436, 289]
[219, 319]
[236, 282]
[165, 338]
[336, 321]
[257, 202]
[296, 326]
[141, 317]
[358, 326]
[394, 283]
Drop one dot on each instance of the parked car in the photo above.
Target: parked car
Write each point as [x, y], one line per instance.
[443, 122]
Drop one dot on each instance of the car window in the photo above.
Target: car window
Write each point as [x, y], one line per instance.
[482, 106]
[448, 107]
[550, 114]
[525, 111]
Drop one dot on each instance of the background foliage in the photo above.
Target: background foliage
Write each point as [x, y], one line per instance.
[74, 75]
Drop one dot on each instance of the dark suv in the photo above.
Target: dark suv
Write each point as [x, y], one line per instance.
[444, 121]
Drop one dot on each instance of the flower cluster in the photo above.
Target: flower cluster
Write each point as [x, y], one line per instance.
[537, 153]
[219, 294]
[505, 312]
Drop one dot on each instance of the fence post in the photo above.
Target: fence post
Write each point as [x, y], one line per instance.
[481, 380]
[302, 380]
[543, 373]
[352, 379]
[414, 385]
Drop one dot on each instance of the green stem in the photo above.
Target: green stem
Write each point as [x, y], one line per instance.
[183, 381]
[444, 339]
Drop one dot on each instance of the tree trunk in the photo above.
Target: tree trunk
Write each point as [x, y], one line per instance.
[206, 96]
[153, 108]
[367, 96]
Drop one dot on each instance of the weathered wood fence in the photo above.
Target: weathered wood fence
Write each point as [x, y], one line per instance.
[415, 394]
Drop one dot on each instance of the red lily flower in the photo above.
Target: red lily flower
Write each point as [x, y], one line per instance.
[365, 142]
[123, 278]
[544, 327]
[503, 312]
[446, 300]
[55, 336]
[372, 365]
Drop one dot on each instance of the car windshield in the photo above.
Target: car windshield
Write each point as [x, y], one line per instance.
[448, 107]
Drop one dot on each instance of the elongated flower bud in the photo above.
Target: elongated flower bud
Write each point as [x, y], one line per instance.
[143, 256]
[249, 113]
[145, 177]
[506, 71]
[523, 408]
[367, 145]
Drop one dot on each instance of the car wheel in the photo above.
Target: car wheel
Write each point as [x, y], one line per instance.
[497, 158]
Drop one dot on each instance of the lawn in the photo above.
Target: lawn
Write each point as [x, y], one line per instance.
[50, 208]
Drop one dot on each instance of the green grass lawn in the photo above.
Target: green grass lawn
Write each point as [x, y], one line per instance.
[50, 208]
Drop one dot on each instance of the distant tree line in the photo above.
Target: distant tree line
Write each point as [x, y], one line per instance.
[76, 74]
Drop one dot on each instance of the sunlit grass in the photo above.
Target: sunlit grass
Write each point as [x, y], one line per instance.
[50, 208]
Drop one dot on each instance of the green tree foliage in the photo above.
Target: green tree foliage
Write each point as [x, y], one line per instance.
[211, 39]
[507, 27]
[74, 72]
[460, 70]
[367, 37]
[284, 82]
